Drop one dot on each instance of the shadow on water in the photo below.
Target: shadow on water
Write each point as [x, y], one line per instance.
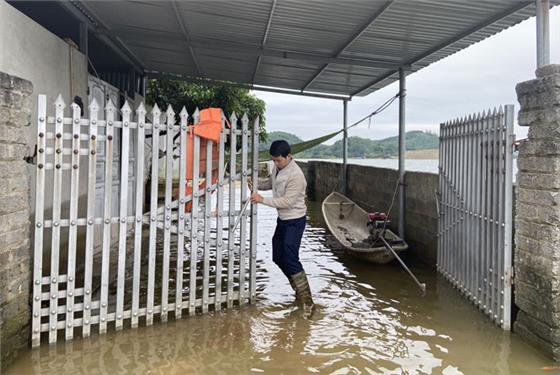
[370, 319]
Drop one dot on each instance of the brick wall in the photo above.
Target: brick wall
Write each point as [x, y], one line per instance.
[15, 253]
[537, 222]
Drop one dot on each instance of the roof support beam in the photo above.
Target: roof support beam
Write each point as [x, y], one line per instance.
[255, 50]
[187, 37]
[243, 49]
[345, 147]
[516, 8]
[80, 11]
[543, 32]
[352, 39]
[265, 37]
[205, 81]
[402, 149]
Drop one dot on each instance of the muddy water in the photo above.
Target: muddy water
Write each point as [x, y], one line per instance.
[370, 319]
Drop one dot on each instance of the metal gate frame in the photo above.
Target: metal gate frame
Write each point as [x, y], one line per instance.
[65, 298]
[475, 209]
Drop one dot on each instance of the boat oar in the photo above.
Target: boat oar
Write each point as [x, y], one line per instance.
[422, 286]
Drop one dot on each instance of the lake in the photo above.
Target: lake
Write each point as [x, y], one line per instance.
[413, 165]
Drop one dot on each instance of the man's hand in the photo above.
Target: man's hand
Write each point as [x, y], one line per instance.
[256, 198]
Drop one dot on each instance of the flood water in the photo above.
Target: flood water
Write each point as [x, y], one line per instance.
[370, 320]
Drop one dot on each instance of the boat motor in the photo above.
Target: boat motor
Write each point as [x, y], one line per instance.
[377, 222]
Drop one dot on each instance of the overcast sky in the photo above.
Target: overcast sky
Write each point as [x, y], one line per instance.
[477, 78]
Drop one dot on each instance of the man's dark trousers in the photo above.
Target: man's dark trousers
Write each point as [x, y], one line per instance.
[285, 245]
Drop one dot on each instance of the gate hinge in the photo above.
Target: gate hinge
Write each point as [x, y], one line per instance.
[30, 159]
[510, 275]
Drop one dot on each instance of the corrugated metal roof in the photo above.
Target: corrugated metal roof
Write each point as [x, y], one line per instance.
[351, 47]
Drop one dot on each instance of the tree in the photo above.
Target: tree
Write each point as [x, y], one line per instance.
[193, 95]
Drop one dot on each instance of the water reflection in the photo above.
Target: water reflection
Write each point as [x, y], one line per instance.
[370, 319]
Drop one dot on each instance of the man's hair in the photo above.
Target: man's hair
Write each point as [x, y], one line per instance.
[280, 148]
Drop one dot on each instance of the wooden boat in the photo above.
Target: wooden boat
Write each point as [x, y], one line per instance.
[348, 222]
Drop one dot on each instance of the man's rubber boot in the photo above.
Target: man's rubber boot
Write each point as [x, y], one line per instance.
[293, 285]
[304, 293]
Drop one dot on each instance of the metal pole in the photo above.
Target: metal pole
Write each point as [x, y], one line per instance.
[422, 286]
[243, 216]
[194, 220]
[402, 147]
[508, 216]
[231, 207]
[39, 217]
[345, 148]
[543, 32]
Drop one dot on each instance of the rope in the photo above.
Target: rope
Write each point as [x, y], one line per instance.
[380, 109]
[389, 211]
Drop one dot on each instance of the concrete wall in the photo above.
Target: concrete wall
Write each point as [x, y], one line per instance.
[31, 52]
[44, 64]
[373, 188]
[15, 253]
[53, 67]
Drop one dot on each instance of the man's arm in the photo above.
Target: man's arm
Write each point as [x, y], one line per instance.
[294, 189]
[262, 184]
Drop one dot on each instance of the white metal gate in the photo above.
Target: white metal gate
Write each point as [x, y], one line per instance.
[102, 92]
[193, 260]
[475, 209]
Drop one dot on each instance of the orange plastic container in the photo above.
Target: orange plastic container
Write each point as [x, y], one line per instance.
[209, 128]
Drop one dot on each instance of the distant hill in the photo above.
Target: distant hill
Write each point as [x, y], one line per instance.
[275, 136]
[360, 147]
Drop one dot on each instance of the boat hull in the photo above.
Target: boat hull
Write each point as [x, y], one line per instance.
[348, 223]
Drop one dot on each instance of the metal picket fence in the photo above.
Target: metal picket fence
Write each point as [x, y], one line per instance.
[155, 260]
[475, 209]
